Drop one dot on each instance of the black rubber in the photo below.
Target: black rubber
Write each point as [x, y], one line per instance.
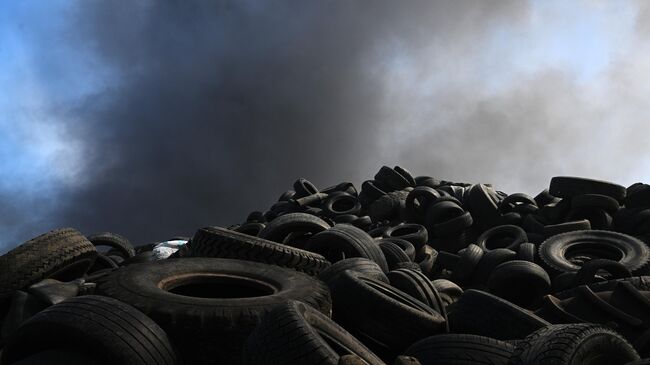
[605, 202]
[555, 229]
[278, 229]
[526, 252]
[522, 282]
[557, 251]
[480, 313]
[391, 178]
[358, 264]
[586, 274]
[483, 206]
[393, 253]
[344, 241]
[419, 200]
[414, 233]
[453, 225]
[406, 174]
[568, 187]
[202, 301]
[460, 349]
[573, 344]
[488, 262]
[341, 203]
[418, 286]
[113, 240]
[63, 254]
[297, 334]
[388, 207]
[469, 259]
[103, 328]
[506, 236]
[405, 245]
[303, 187]
[513, 200]
[382, 313]
[251, 228]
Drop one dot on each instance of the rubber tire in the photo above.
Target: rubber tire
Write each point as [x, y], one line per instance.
[588, 271]
[330, 204]
[522, 282]
[568, 187]
[358, 264]
[296, 334]
[605, 202]
[460, 349]
[405, 245]
[405, 174]
[114, 240]
[106, 328]
[279, 228]
[414, 233]
[303, 187]
[251, 228]
[194, 323]
[526, 252]
[424, 196]
[223, 243]
[417, 285]
[466, 265]
[391, 178]
[352, 240]
[517, 235]
[488, 262]
[393, 253]
[63, 254]
[635, 253]
[480, 313]
[381, 312]
[573, 344]
[483, 206]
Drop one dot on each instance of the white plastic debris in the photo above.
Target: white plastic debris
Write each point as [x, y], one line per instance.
[164, 249]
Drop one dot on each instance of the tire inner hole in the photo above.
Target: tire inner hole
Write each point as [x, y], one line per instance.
[217, 286]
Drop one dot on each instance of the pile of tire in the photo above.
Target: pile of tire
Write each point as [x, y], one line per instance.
[407, 270]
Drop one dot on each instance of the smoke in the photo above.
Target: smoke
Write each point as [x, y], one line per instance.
[200, 111]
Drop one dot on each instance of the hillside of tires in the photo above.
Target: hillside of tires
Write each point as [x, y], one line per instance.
[402, 269]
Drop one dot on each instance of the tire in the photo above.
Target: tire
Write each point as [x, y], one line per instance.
[573, 344]
[587, 273]
[604, 202]
[382, 313]
[522, 282]
[488, 262]
[557, 251]
[479, 313]
[571, 226]
[405, 245]
[419, 200]
[321, 341]
[344, 241]
[113, 240]
[391, 178]
[358, 264]
[509, 203]
[466, 265]
[222, 243]
[340, 204]
[278, 229]
[526, 252]
[568, 187]
[179, 295]
[393, 253]
[406, 174]
[483, 206]
[453, 225]
[418, 286]
[303, 188]
[506, 236]
[388, 207]
[104, 328]
[251, 228]
[63, 254]
[460, 349]
[428, 260]
[414, 233]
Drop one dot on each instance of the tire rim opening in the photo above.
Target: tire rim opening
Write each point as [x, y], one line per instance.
[217, 286]
[593, 250]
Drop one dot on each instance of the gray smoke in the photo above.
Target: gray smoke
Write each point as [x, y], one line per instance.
[213, 109]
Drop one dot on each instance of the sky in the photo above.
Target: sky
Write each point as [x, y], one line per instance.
[151, 119]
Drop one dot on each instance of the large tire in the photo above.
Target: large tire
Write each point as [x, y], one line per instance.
[522, 282]
[223, 243]
[573, 344]
[63, 254]
[296, 334]
[460, 349]
[358, 264]
[344, 241]
[484, 314]
[382, 313]
[568, 187]
[209, 306]
[557, 251]
[417, 285]
[506, 236]
[102, 328]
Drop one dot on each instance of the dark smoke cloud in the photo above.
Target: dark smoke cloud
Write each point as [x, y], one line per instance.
[212, 109]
